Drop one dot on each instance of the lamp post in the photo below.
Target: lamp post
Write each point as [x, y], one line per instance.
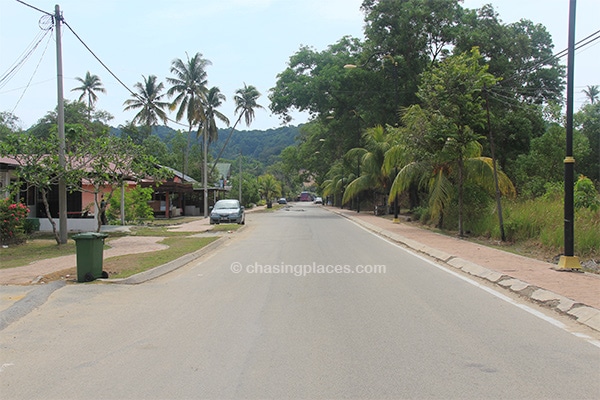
[569, 262]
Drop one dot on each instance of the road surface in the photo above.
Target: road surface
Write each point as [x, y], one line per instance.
[300, 304]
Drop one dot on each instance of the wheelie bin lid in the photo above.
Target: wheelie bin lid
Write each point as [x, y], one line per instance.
[89, 236]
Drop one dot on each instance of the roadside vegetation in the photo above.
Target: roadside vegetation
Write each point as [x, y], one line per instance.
[42, 246]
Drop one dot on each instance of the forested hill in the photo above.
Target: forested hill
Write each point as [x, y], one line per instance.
[260, 145]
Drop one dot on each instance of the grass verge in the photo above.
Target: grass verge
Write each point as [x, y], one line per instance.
[131, 264]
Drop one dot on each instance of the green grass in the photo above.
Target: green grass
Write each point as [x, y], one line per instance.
[128, 265]
[540, 223]
[43, 246]
[225, 227]
[33, 250]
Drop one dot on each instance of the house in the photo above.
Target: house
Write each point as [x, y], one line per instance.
[173, 197]
[178, 195]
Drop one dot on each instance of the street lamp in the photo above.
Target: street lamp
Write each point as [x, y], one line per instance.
[569, 262]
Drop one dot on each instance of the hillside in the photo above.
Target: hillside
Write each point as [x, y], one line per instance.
[257, 144]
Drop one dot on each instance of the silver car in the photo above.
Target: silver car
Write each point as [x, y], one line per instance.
[227, 212]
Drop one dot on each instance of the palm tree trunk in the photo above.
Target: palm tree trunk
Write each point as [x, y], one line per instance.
[226, 142]
[186, 153]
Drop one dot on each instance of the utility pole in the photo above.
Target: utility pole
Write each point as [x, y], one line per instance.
[568, 261]
[240, 183]
[205, 172]
[62, 185]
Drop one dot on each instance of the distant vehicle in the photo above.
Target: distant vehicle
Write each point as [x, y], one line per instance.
[305, 196]
[282, 201]
[228, 212]
[318, 200]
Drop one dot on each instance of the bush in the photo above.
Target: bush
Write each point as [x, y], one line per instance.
[12, 218]
[586, 195]
[31, 225]
[136, 205]
[421, 214]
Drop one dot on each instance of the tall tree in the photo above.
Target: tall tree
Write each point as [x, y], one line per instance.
[415, 32]
[592, 92]
[373, 175]
[214, 100]
[448, 153]
[149, 100]
[452, 90]
[245, 104]
[89, 86]
[189, 88]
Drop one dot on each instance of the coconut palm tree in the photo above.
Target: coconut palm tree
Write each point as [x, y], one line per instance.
[189, 88]
[149, 100]
[89, 86]
[592, 93]
[269, 188]
[214, 99]
[336, 180]
[245, 103]
[437, 171]
[373, 175]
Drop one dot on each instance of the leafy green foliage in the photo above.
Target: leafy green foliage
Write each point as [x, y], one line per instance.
[544, 163]
[269, 187]
[587, 122]
[136, 205]
[585, 194]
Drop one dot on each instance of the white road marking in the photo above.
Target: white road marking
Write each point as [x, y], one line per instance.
[489, 290]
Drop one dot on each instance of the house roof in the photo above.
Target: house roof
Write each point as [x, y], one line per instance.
[223, 169]
[181, 175]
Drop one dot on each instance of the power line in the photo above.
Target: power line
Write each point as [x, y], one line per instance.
[16, 66]
[32, 75]
[110, 71]
[87, 48]
[35, 8]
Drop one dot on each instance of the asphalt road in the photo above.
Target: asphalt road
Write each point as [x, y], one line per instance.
[300, 304]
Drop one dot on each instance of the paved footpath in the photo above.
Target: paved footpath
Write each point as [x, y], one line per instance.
[571, 293]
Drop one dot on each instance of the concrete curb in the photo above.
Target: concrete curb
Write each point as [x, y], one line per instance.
[30, 302]
[168, 267]
[584, 314]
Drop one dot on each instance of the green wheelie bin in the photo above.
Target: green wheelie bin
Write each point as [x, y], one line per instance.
[89, 247]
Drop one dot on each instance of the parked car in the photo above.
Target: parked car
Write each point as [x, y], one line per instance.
[282, 201]
[228, 212]
[318, 200]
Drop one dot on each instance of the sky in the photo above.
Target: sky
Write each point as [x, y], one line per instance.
[247, 42]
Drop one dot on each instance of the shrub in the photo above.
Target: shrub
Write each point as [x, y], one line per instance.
[585, 194]
[31, 225]
[12, 218]
[136, 205]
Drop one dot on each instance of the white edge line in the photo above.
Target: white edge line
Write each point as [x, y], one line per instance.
[489, 290]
